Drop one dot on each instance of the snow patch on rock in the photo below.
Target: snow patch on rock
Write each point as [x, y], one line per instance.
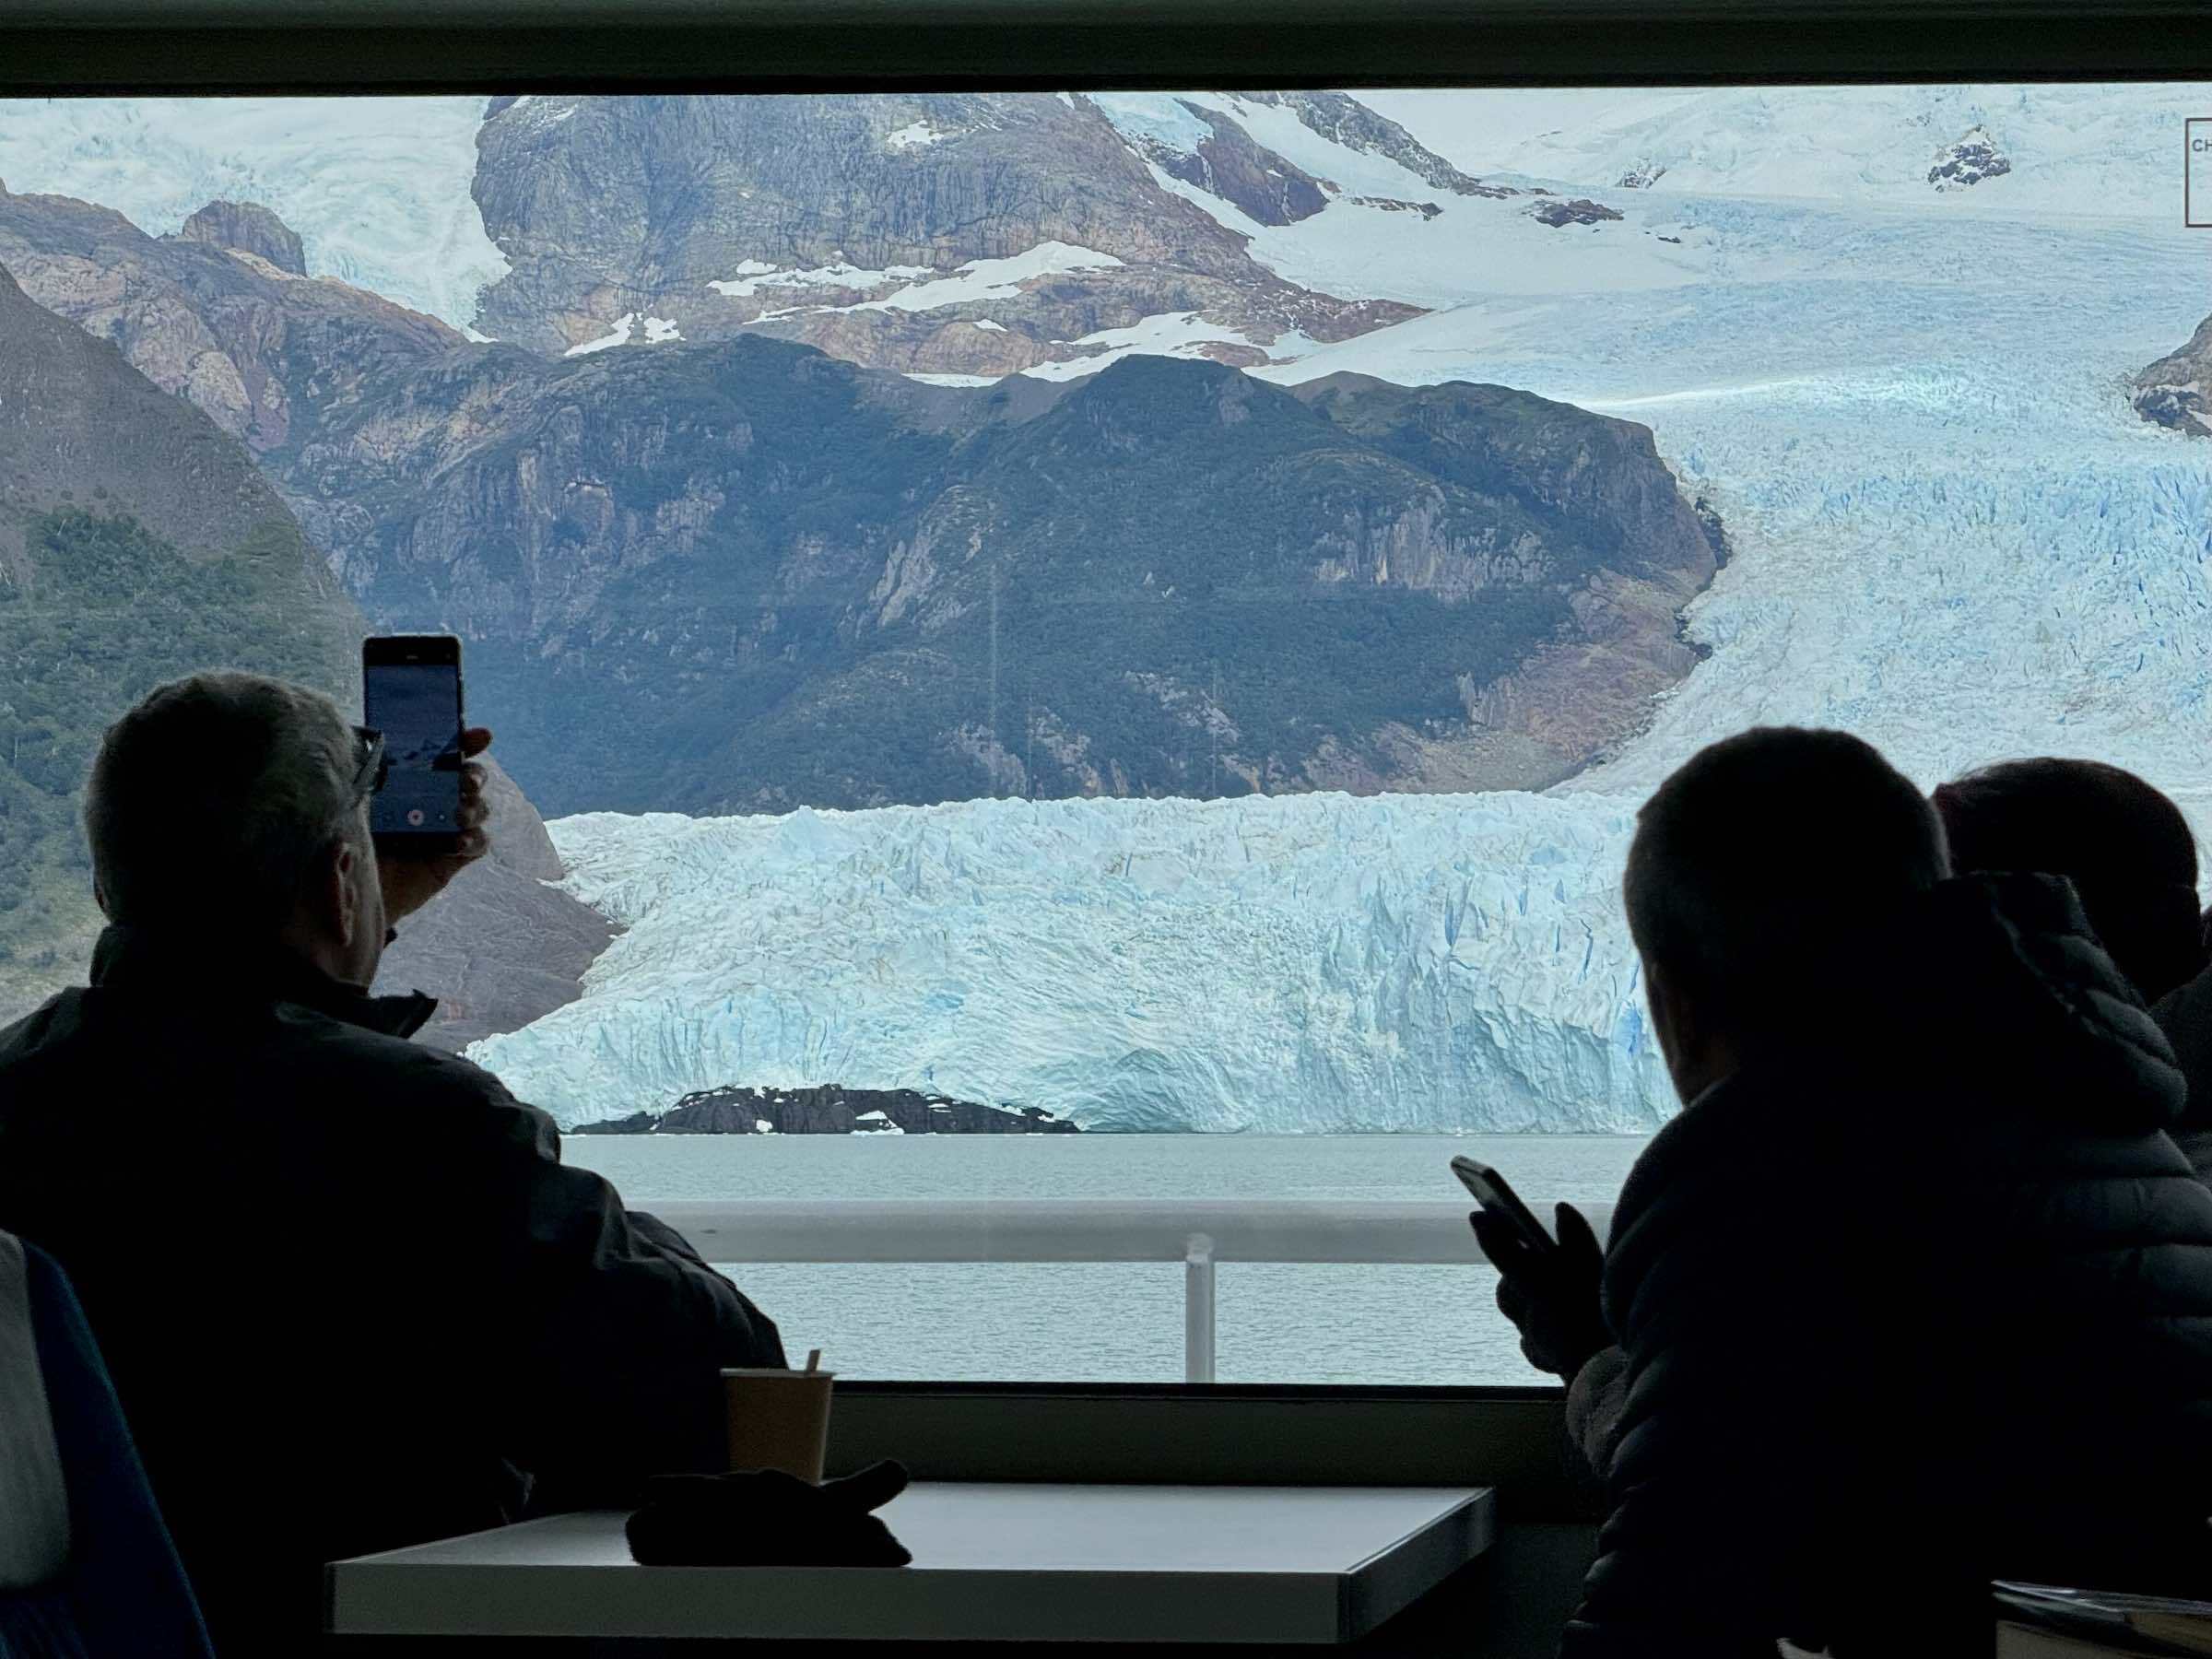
[752, 277]
[917, 135]
[657, 330]
[1169, 333]
[982, 279]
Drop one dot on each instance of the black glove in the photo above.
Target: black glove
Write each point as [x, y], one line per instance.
[765, 1518]
[1552, 1295]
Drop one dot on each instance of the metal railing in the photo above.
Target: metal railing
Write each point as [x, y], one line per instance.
[1201, 1233]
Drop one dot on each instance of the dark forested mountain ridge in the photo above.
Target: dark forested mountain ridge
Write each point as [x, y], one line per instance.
[749, 576]
[741, 573]
[137, 542]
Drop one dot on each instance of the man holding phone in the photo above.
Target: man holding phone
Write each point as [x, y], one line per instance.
[350, 1295]
[1549, 1286]
[1915, 1291]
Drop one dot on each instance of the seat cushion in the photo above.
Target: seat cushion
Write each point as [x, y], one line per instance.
[34, 1503]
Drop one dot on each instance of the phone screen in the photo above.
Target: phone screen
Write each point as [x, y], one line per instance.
[417, 706]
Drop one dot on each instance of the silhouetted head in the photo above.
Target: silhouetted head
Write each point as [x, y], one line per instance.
[2126, 846]
[1759, 863]
[232, 809]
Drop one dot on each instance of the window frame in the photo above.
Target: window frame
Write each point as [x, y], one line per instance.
[369, 46]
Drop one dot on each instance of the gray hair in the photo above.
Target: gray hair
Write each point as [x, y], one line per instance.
[1764, 858]
[214, 797]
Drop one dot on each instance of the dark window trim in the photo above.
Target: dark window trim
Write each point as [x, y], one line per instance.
[72, 47]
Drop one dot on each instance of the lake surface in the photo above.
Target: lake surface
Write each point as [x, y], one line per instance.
[1122, 1322]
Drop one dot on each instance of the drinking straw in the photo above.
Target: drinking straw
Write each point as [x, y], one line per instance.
[814, 1360]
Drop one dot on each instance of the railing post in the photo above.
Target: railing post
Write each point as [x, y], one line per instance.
[1198, 1309]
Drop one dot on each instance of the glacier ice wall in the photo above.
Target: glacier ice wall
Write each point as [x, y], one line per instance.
[1300, 963]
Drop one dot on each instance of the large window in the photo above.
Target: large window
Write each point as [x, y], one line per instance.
[1149, 615]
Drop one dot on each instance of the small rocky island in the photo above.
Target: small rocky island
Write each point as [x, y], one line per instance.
[830, 1109]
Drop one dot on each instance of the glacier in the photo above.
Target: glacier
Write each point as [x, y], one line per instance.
[1952, 535]
[378, 188]
[1287, 963]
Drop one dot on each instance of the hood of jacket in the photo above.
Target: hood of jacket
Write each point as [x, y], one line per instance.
[1988, 996]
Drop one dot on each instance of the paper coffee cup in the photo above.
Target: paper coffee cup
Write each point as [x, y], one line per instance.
[779, 1420]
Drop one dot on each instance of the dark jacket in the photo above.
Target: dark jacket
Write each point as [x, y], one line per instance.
[2185, 1016]
[1930, 1305]
[350, 1296]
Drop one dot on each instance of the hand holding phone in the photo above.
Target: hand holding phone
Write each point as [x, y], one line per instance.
[1491, 1191]
[411, 694]
[428, 816]
[1550, 1286]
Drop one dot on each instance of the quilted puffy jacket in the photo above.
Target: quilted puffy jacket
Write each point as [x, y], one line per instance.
[1930, 1305]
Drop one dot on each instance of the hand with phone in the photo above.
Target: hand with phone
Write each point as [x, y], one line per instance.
[412, 875]
[428, 814]
[1547, 1282]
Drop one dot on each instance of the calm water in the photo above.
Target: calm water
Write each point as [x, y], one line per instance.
[1122, 1322]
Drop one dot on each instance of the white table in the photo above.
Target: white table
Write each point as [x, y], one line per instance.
[991, 1562]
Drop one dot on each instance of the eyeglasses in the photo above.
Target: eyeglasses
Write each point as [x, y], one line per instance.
[376, 766]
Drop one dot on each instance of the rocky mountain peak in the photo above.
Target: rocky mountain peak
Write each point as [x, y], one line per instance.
[248, 228]
[2176, 391]
[1969, 159]
[1228, 164]
[1558, 215]
[253, 345]
[930, 233]
[1343, 119]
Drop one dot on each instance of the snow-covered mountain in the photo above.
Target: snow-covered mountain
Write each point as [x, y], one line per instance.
[2085, 150]
[1952, 533]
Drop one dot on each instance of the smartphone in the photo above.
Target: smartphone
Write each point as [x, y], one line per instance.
[411, 692]
[1491, 1191]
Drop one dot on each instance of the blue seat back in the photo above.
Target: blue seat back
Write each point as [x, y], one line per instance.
[87, 1567]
